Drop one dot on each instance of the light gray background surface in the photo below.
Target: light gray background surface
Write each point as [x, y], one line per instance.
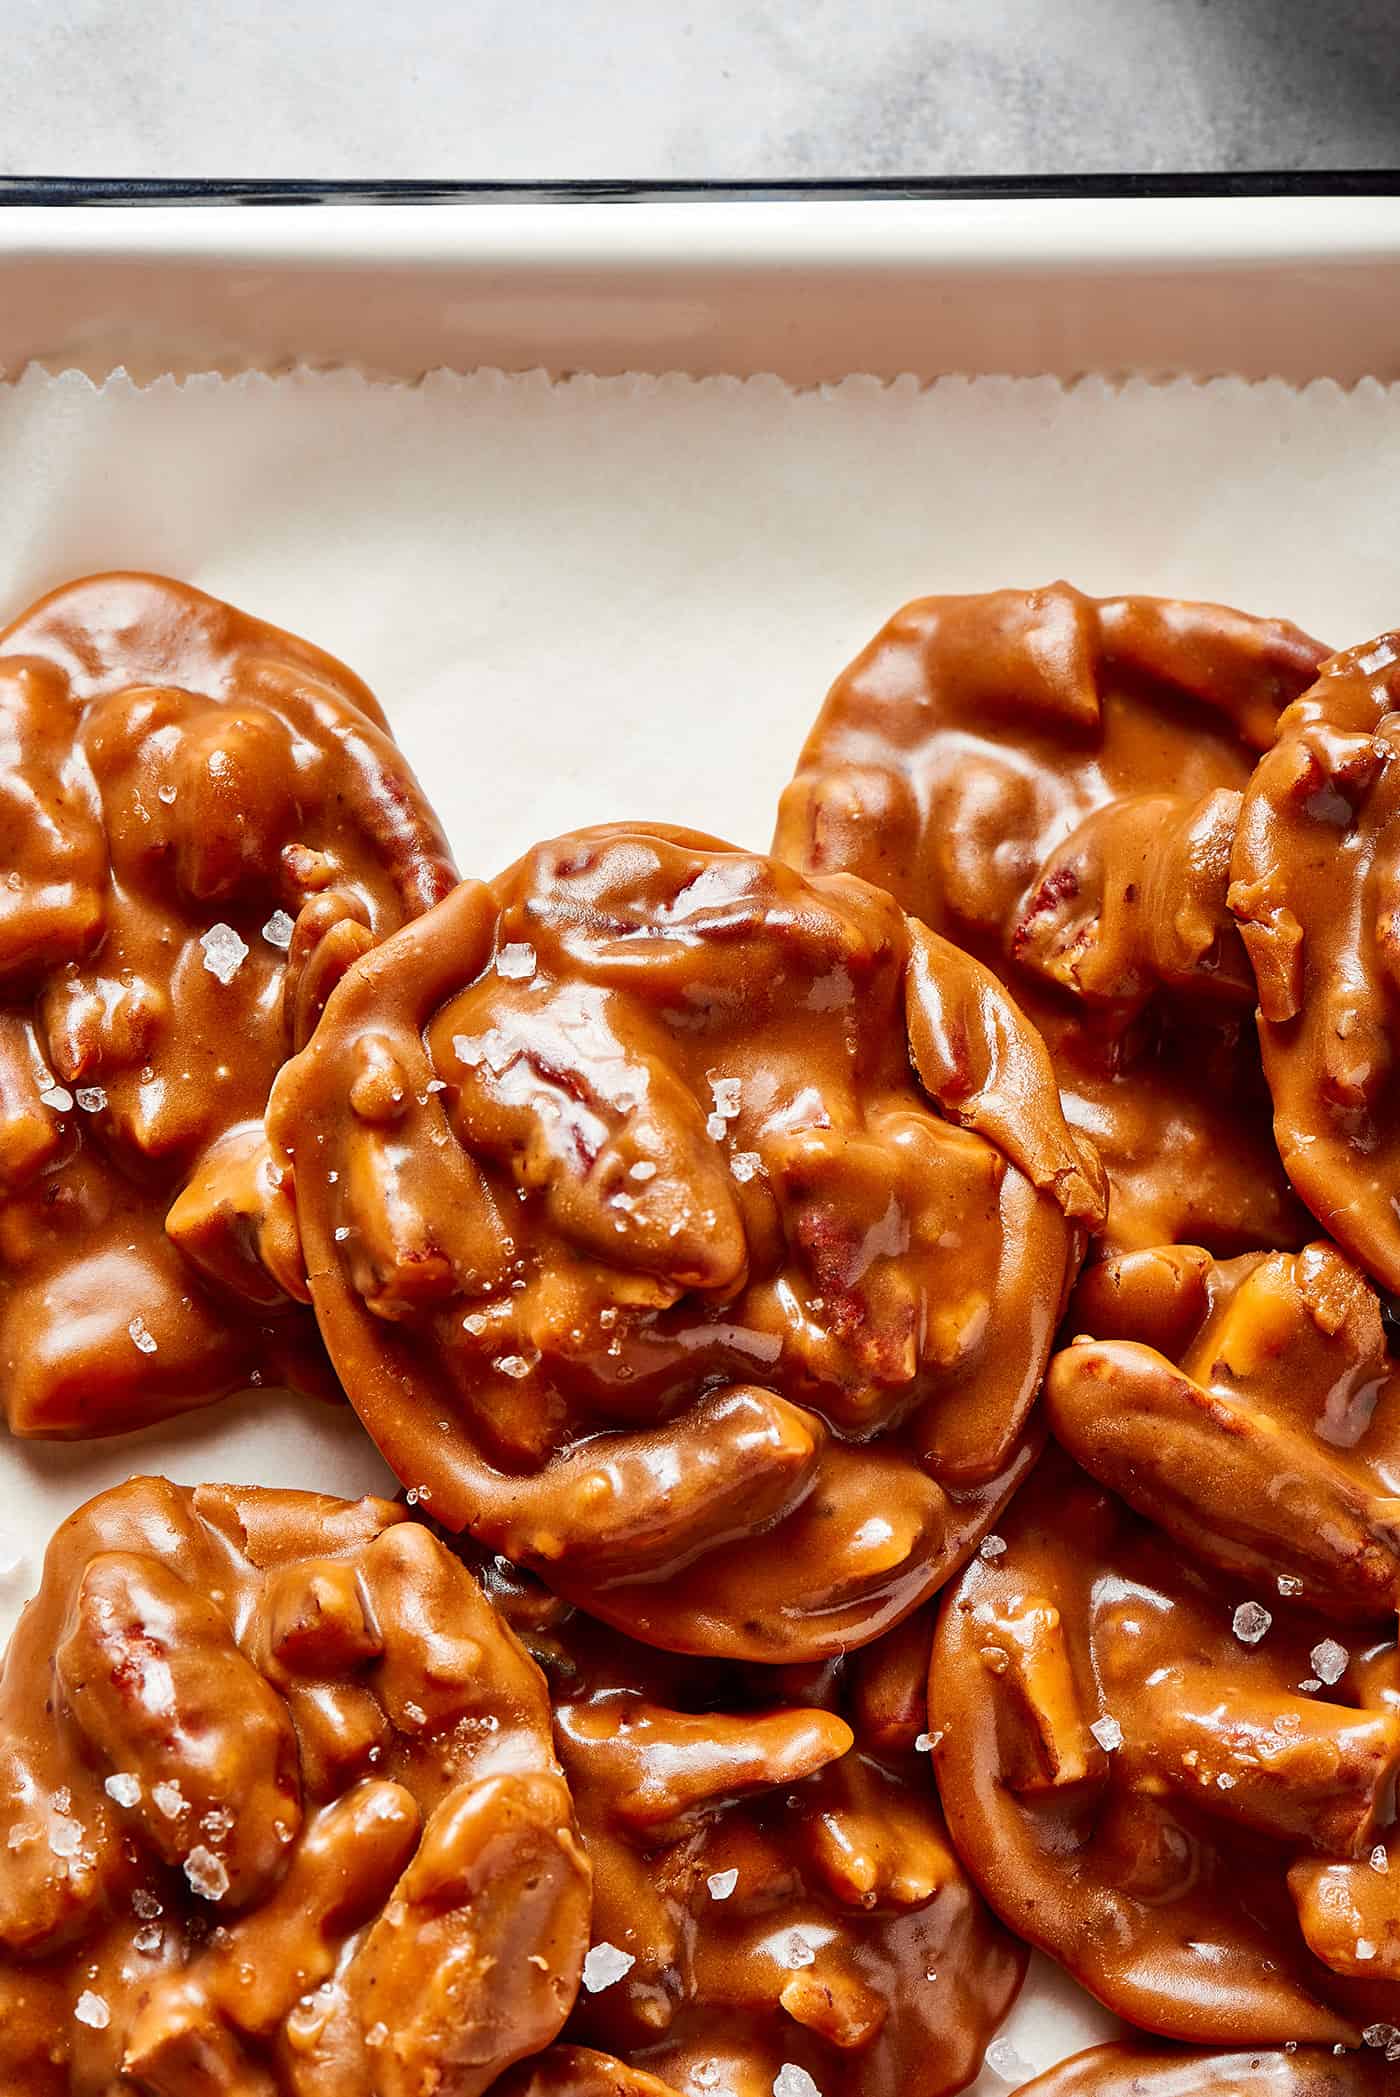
[516, 88]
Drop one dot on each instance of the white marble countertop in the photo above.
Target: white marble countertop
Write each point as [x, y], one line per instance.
[653, 88]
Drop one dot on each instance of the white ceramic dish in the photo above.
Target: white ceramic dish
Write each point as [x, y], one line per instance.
[1299, 287]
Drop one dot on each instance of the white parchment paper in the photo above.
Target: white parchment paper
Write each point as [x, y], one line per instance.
[614, 598]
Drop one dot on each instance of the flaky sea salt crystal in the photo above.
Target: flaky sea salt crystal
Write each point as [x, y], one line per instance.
[1380, 1860]
[722, 1884]
[145, 1904]
[58, 1097]
[1365, 1949]
[1251, 1622]
[716, 1127]
[1225, 1782]
[792, 2081]
[65, 1836]
[166, 795]
[728, 1093]
[1385, 2038]
[224, 952]
[149, 1938]
[91, 2010]
[1329, 1661]
[123, 1788]
[516, 962]
[512, 1365]
[1310, 1684]
[1108, 1733]
[1289, 1584]
[144, 1340]
[604, 1966]
[91, 1098]
[797, 1952]
[643, 1170]
[1003, 2060]
[704, 2074]
[169, 1800]
[279, 929]
[207, 1873]
[745, 1165]
[925, 1743]
[415, 1715]
[991, 1547]
[492, 1048]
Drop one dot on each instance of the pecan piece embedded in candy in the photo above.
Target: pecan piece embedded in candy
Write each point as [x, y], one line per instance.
[280, 1808]
[1271, 1450]
[774, 1885]
[153, 1678]
[580, 2071]
[693, 1231]
[1209, 1881]
[473, 1961]
[1137, 2068]
[1316, 885]
[203, 820]
[1053, 781]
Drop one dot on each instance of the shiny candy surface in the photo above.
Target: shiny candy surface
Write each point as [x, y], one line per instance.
[1316, 878]
[1192, 1810]
[1134, 2070]
[694, 1231]
[1251, 1409]
[1053, 781]
[772, 1873]
[200, 816]
[279, 1810]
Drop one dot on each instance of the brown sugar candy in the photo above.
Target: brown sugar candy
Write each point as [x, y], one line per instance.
[1316, 881]
[200, 816]
[1133, 2070]
[1251, 1409]
[775, 1894]
[695, 1231]
[279, 1810]
[581, 2071]
[1052, 781]
[1182, 1789]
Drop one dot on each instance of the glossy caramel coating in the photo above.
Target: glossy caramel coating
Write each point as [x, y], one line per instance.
[279, 1810]
[1251, 1409]
[179, 780]
[1316, 881]
[1053, 780]
[1134, 2070]
[580, 2071]
[693, 1231]
[768, 1851]
[1218, 1861]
